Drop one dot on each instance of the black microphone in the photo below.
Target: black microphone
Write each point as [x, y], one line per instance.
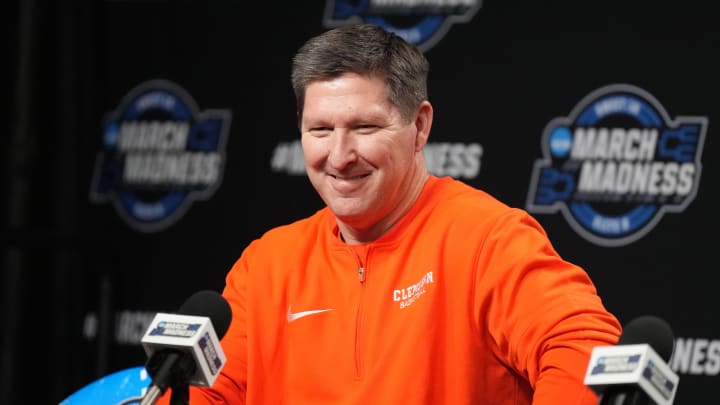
[636, 370]
[184, 348]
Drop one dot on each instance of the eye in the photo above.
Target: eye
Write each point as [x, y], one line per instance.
[320, 131]
[366, 128]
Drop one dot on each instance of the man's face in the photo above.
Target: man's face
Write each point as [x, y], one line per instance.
[359, 152]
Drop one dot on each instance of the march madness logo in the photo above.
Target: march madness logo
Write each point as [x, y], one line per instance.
[422, 23]
[159, 153]
[616, 164]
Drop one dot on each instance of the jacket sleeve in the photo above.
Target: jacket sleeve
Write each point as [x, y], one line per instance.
[542, 314]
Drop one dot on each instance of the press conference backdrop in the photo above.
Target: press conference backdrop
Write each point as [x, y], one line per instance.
[597, 117]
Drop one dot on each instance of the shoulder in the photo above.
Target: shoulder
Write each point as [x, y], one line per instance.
[299, 229]
[288, 242]
[457, 198]
[469, 209]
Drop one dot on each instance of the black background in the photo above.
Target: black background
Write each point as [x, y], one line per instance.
[496, 80]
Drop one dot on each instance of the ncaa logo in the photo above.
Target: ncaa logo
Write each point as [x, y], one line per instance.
[159, 153]
[616, 164]
[422, 23]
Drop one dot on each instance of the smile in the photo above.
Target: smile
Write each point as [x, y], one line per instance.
[360, 176]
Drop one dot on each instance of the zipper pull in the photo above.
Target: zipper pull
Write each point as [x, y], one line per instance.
[361, 274]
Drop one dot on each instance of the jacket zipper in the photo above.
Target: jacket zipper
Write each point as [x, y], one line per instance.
[361, 273]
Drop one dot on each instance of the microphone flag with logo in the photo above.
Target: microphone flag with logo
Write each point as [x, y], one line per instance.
[636, 370]
[184, 348]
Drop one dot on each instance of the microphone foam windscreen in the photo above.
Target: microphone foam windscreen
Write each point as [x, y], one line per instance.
[210, 304]
[651, 330]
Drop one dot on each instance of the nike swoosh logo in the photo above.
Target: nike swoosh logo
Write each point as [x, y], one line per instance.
[294, 316]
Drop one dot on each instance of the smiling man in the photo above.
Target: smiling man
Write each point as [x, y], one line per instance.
[406, 288]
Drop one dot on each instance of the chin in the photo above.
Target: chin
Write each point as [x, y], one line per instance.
[347, 212]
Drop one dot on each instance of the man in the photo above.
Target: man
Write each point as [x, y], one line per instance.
[407, 288]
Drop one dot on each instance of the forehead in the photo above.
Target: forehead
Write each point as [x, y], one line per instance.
[347, 93]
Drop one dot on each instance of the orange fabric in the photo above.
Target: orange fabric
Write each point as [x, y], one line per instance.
[464, 301]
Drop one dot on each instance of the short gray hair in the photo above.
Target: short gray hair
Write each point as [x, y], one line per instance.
[368, 50]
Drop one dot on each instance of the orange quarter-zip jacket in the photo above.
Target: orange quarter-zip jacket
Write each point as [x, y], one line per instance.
[463, 301]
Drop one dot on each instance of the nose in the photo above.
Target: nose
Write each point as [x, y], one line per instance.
[342, 149]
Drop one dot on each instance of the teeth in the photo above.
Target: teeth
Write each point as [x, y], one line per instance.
[360, 176]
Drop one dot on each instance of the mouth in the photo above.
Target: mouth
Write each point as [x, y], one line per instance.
[348, 185]
[349, 178]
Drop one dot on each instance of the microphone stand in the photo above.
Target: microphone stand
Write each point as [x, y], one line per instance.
[169, 368]
[180, 394]
[625, 397]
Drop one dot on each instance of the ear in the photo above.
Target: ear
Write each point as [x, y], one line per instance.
[423, 123]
